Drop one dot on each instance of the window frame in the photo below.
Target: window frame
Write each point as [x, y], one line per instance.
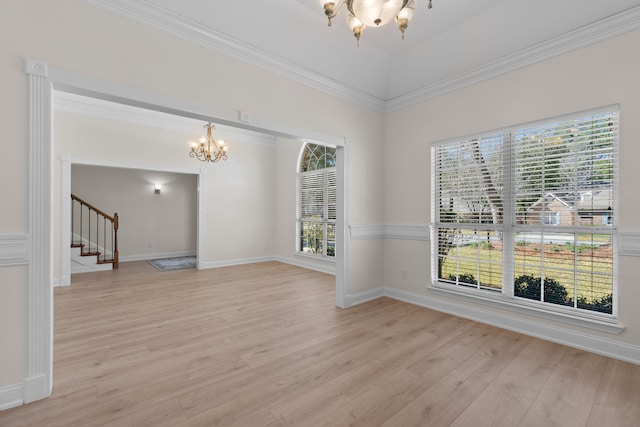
[505, 296]
[327, 174]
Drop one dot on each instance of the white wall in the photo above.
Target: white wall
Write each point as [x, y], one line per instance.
[239, 202]
[150, 225]
[603, 74]
[74, 36]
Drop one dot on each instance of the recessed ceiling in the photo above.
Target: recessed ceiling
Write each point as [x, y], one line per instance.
[456, 42]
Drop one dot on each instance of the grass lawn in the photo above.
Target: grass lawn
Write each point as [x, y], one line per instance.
[587, 271]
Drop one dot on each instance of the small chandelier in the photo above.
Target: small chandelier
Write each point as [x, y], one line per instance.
[372, 13]
[207, 149]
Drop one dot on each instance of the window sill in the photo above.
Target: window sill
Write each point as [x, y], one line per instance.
[316, 257]
[598, 322]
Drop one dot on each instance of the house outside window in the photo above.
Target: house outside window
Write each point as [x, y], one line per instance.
[317, 200]
[513, 214]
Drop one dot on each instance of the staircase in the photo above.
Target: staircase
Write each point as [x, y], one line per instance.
[94, 238]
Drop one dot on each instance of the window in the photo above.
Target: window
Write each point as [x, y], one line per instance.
[316, 221]
[529, 213]
[550, 218]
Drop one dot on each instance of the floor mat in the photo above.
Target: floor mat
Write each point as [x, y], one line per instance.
[178, 263]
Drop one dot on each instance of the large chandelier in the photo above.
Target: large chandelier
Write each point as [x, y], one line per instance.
[208, 149]
[372, 13]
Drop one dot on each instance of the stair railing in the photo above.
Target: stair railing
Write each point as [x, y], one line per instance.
[94, 232]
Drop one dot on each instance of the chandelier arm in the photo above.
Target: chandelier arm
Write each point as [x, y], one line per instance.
[332, 10]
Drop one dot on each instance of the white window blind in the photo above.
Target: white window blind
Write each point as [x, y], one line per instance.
[317, 200]
[530, 212]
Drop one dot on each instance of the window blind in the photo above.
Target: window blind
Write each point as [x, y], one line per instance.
[530, 211]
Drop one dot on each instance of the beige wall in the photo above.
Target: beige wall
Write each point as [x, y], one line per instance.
[239, 196]
[603, 74]
[151, 225]
[71, 35]
[74, 36]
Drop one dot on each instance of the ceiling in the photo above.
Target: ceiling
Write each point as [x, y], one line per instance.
[457, 42]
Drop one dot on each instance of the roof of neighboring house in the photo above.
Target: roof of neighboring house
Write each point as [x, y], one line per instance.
[596, 200]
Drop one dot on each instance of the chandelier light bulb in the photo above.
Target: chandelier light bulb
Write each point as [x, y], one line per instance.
[372, 13]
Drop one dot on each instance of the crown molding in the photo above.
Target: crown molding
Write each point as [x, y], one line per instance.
[78, 104]
[163, 20]
[602, 30]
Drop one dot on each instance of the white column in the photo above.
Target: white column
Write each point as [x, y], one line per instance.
[40, 292]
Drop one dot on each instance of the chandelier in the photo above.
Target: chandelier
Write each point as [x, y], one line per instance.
[207, 149]
[372, 13]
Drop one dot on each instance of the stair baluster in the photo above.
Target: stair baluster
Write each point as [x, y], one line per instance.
[105, 243]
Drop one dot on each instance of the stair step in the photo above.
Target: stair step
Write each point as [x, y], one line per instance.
[105, 261]
[89, 253]
[77, 245]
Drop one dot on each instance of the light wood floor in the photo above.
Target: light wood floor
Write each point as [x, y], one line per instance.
[263, 345]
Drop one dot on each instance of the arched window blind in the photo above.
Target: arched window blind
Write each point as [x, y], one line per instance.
[316, 218]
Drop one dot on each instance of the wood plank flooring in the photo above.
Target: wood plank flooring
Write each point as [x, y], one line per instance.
[263, 345]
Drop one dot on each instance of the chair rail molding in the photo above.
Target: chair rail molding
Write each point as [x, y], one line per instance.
[629, 243]
[14, 250]
[389, 231]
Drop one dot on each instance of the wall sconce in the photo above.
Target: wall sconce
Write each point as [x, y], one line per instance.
[157, 188]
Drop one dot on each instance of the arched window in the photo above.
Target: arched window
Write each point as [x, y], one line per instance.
[316, 219]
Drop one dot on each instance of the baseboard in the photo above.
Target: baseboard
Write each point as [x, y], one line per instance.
[61, 281]
[602, 346]
[36, 388]
[230, 262]
[327, 267]
[77, 268]
[363, 297]
[11, 396]
[147, 257]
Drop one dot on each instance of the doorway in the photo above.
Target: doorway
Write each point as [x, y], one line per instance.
[43, 82]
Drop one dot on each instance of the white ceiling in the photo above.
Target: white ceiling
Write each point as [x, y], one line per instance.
[457, 42]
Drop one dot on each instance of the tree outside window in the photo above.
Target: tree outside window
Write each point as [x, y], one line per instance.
[514, 212]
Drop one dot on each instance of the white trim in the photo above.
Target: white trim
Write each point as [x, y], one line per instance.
[342, 221]
[371, 231]
[11, 396]
[37, 386]
[231, 262]
[61, 281]
[628, 20]
[39, 381]
[407, 232]
[591, 320]
[167, 22]
[148, 257]
[389, 231]
[65, 81]
[321, 266]
[553, 333]
[629, 243]
[14, 250]
[366, 296]
[65, 223]
[77, 104]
